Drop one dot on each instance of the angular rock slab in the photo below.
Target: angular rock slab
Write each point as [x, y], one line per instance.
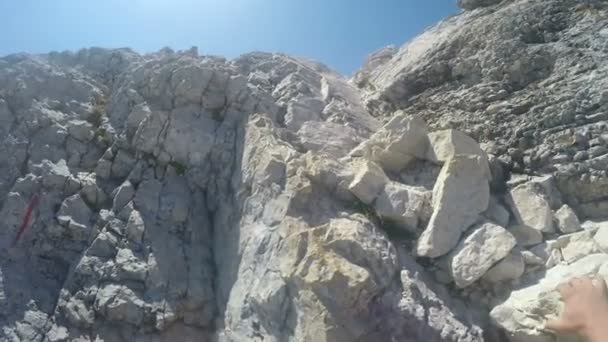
[577, 245]
[531, 208]
[369, 180]
[526, 236]
[395, 145]
[525, 312]
[76, 215]
[402, 205]
[601, 237]
[487, 244]
[567, 221]
[447, 143]
[461, 193]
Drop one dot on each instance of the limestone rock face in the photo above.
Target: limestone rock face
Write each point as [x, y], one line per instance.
[528, 89]
[461, 193]
[397, 144]
[173, 196]
[190, 198]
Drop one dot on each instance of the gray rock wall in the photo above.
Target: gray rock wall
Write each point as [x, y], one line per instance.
[178, 197]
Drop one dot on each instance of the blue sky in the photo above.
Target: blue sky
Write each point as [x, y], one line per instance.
[339, 33]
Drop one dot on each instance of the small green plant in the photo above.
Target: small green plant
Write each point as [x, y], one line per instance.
[180, 169]
[98, 111]
[97, 116]
[103, 136]
[100, 132]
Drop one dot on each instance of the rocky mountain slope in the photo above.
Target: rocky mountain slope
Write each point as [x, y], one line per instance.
[439, 195]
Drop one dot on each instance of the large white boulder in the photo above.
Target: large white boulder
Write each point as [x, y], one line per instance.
[460, 194]
[530, 208]
[487, 244]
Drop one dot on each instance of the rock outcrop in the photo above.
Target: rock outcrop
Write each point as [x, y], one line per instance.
[440, 195]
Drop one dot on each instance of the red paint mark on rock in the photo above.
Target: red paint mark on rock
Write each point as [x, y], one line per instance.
[27, 218]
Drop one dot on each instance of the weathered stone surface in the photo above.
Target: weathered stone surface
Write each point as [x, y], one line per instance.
[478, 252]
[90, 190]
[333, 139]
[54, 175]
[524, 313]
[447, 143]
[526, 236]
[76, 216]
[512, 267]
[396, 144]
[81, 130]
[122, 195]
[402, 205]
[103, 246]
[238, 223]
[368, 181]
[3, 299]
[567, 221]
[325, 267]
[577, 245]
[122, 164]
[460, 194]
[119, 304]
[601, 237]
[429, 309]
[135, 226]
[532, 259]
[531, 209]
